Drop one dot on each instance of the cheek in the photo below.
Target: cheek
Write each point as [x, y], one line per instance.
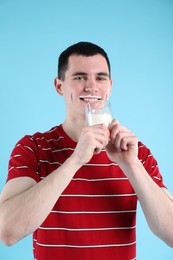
[71, 97]
[107, 94]
[72, 91]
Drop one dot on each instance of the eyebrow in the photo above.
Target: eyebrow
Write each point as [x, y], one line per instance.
[80, 73]
[103, 74]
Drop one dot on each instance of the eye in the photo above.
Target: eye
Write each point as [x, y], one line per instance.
[102, 78]
[80, 78]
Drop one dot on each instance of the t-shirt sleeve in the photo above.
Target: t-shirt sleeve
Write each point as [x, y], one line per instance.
[150, 164]
[24, 160]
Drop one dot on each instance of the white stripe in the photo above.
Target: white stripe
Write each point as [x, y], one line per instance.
[45, 161]
[93, 212]
[29, 148]
[49, 140]
[18, 144]
[86, 229]
[141, 146]
[52, 130]
[63, 149]
[44, 149]
[16, 155]
[21, 167]
[89, 246]
[40, 138]
[155, 177]
[101, 164]
[18, 167]
[11, 168]
[154, 166]
[98, 195]
[105, 179]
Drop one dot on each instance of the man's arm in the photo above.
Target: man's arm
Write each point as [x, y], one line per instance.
[156, 202]
[24, 204]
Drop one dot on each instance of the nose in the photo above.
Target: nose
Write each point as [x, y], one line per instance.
[91, 86]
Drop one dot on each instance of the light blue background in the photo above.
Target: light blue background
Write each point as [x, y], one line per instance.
[137, 35]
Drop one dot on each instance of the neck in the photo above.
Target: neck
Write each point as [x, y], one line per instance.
[73, 127]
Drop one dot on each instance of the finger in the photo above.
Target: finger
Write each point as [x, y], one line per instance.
[117, 141]
[97, 138]
[121, 141]
[116, 128]
[113, 123]
[124, 142]
[102, 135]
[117, 132]
[102, 139]
[101, 127]
[98, 147]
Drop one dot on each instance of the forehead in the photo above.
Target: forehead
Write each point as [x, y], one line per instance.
[91, 64]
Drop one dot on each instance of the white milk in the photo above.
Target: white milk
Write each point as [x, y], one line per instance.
[94, 119]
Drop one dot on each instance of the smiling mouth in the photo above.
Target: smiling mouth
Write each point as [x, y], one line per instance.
[90, 98]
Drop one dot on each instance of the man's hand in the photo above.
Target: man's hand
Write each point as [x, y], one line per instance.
[123, 145]
[92, 140]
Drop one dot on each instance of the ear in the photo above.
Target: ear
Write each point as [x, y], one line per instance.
[58, 86]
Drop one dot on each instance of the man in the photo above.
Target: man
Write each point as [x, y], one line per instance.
[75, 187]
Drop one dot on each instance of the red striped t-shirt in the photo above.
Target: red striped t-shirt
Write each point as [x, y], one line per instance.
[95, 216]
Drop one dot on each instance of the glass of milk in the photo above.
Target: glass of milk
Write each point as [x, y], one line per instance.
[98, 112]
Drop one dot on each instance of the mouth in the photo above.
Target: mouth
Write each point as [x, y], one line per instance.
[90, 98]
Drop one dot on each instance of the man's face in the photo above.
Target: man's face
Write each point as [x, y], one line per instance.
[86, 80]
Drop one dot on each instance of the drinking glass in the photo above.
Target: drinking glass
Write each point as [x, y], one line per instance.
[98, 112]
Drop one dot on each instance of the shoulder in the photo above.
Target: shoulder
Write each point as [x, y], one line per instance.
[37, 137]
[51, 133]
[31, 143]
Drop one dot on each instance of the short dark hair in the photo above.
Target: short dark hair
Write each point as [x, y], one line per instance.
[80, 48]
